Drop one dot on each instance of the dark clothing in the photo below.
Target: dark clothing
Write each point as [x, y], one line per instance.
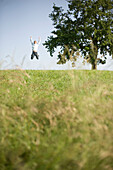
[34, 54]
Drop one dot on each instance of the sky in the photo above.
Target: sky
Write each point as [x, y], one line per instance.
[20, 19]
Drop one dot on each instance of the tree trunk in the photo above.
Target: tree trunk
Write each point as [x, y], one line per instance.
[94, 66]
[94, 53]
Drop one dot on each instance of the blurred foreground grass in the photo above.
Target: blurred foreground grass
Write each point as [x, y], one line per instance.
[56, 120]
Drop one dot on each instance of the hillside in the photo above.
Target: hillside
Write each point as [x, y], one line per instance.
[56, 120]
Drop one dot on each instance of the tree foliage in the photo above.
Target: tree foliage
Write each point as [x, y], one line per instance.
[87, 27]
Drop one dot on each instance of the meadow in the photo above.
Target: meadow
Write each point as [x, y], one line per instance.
[56, 120]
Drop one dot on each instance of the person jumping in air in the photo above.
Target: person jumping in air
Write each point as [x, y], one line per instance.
[34, 48]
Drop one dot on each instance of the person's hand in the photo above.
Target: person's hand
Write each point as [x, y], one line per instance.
[30, 36]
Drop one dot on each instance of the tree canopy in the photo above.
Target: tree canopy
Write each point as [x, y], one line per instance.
[86, 28]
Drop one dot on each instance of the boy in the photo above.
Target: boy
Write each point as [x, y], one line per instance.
[34, 48]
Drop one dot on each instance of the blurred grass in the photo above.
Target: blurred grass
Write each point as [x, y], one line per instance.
[56, 120]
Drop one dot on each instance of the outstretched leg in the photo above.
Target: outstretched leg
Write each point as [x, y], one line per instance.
[32, 56]
[36, 54]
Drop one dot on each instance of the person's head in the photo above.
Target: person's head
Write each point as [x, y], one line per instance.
[35, 42]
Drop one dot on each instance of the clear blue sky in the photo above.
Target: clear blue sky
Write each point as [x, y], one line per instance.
[20, 19]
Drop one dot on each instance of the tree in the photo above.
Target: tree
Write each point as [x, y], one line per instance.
[87, 27]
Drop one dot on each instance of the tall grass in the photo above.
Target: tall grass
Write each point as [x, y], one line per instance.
[56, 120]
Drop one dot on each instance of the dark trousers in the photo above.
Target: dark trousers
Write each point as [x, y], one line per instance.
[34, 54]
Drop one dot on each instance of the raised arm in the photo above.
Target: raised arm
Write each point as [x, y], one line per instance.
[31, 40]
[39, 40]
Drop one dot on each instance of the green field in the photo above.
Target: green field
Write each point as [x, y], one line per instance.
[56, 120]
